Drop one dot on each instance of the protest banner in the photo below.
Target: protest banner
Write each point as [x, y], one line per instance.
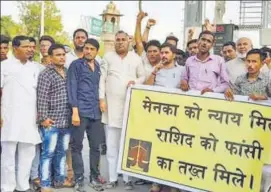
[195, 142]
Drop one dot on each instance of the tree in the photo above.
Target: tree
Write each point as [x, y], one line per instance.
[9, 27]
[30, 16]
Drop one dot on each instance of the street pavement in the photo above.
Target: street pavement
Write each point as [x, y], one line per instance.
[104, 172]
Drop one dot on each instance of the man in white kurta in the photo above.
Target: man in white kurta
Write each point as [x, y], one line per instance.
[119, 70]
[237, 66]
[19, 130]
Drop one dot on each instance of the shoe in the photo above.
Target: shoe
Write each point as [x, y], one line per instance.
[112, 185]
[28, 190]
[96, 185]
[36, 182]
[101, 180]
[142, 182]
[46, 190]
[128, 185]
[155, 188]
[66, 184]
[79, 187]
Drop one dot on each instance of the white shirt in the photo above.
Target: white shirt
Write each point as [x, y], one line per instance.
[18, 107]
[115, 75]
[41, 66]
[237, 67]
[71, 56]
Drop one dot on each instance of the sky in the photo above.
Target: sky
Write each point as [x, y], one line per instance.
[169, 15]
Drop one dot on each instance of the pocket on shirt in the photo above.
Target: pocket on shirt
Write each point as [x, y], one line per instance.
[209, 76]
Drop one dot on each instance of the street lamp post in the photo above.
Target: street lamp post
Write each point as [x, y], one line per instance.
[42, 18]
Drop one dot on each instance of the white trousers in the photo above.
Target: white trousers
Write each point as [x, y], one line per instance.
[20, 180]
[113, 144]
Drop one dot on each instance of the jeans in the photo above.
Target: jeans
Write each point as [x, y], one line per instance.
[55, 143]
[95, 134]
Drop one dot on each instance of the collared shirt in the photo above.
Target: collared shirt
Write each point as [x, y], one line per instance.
[19, 101]
[210, 73]
[41, 66]
[52, 97]
[71, 56]
[116, 73]
[83, 88]
[170, 78]
[237, 67]
[262, 85]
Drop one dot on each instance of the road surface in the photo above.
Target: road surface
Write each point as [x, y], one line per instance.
[104, 172]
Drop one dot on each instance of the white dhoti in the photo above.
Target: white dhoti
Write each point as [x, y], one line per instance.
[113, 135]
[10, 180]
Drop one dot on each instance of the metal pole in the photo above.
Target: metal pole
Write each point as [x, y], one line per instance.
[203, 11]
[265, 14]
[42, 18]
[140, 5]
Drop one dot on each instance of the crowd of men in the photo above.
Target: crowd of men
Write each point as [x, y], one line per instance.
[48, 106]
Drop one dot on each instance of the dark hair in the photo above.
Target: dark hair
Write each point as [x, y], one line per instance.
[47, 38]
[80, 30]
[259, 52]
[180, 52]
[155, 43]
[54, 47]
[172, 38]
[229, 43]
[93, 42]
[266, 50]
[121, 31]
[4, 39]
[206, 33]
[32, 39]
[16, 42]
[172, 48]
[191, 41]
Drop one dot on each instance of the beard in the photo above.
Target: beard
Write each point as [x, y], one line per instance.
[79, 48]
[241, 55]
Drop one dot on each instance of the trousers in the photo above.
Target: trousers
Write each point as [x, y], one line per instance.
[34, 174]
[94, 132]
[55, 143]
[113, 144]
[19, 180]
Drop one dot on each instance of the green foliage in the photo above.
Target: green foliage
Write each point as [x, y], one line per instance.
[30, 21]
[9, 27]
[30, 16]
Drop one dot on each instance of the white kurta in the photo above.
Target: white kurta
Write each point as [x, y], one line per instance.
[115, 75]
[18, 108]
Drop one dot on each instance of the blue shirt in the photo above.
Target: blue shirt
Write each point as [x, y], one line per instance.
[83, 88]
